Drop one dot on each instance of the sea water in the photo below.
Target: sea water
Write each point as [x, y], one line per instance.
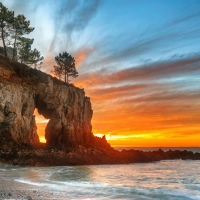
[169, 179]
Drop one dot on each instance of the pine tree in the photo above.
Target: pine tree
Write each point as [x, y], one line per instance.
[24, 49]
[6, 18]
[20, 27]
[27, 56]
[57, 72]
[65, 66]
[35, 59]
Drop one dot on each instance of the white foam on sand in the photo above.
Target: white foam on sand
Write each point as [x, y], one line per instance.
[12, 189]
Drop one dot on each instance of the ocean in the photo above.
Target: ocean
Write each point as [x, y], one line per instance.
[193, 149]
[163, 180]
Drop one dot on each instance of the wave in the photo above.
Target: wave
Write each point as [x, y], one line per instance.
[164, 180]
[99, 191]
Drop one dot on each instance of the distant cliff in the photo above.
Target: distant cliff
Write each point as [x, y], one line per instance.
[67, 107]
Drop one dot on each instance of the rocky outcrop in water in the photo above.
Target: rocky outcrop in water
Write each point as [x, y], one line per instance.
[45, 156]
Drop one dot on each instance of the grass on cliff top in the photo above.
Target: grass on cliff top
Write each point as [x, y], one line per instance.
[29, 74]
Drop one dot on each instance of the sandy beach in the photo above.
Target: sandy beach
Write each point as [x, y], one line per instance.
[11, 189]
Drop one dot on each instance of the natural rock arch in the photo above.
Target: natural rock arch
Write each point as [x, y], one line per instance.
[69, 111]
[67, 107]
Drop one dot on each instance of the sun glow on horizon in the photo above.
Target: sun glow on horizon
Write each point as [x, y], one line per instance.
[154, 139]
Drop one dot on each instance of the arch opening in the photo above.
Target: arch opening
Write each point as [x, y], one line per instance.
[41, 123]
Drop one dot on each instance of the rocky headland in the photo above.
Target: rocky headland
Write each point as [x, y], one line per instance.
[69, 136]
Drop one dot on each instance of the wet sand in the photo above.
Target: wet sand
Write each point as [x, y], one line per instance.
[11, 189]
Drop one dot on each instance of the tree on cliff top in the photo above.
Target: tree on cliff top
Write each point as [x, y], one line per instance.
[6, 18]
[57, 71]
[65, 66]
[12, 30]
[26, 55]
[20, 26]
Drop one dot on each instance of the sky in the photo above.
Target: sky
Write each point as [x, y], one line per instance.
[138, 61]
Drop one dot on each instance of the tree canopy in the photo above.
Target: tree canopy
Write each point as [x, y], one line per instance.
[26, 55]
[65, 67]
[20, 27]
[13, 30]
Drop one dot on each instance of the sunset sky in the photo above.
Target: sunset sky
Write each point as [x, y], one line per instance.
[138, 61]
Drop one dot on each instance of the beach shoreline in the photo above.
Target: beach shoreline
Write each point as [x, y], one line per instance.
[172, 179]
[12, 189]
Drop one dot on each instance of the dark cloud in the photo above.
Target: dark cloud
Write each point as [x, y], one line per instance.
[183, 66]
[72, 16]
[84, 12]
[165, 69]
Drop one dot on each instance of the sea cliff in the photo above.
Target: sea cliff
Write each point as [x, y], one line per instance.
[66, 106]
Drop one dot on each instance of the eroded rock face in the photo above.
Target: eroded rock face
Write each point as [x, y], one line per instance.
[67, 107]
[69, 111]
[16, 113]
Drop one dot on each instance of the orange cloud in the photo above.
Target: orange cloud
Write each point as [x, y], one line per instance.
[81, 55]
[146, 73]
[48, 64]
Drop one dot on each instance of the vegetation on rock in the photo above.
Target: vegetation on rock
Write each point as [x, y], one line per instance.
[6, 20]
[12, 31]
[65, 67]
[18, 48]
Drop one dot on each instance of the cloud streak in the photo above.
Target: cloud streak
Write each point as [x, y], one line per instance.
[70, 17]
[189, 66]
[158, 99]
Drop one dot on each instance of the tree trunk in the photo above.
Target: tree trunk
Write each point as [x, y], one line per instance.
[4, 45]
[14, 50]
[65, 74]
[21, 69]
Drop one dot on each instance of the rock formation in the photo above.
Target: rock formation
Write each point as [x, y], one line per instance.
[67, 107]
